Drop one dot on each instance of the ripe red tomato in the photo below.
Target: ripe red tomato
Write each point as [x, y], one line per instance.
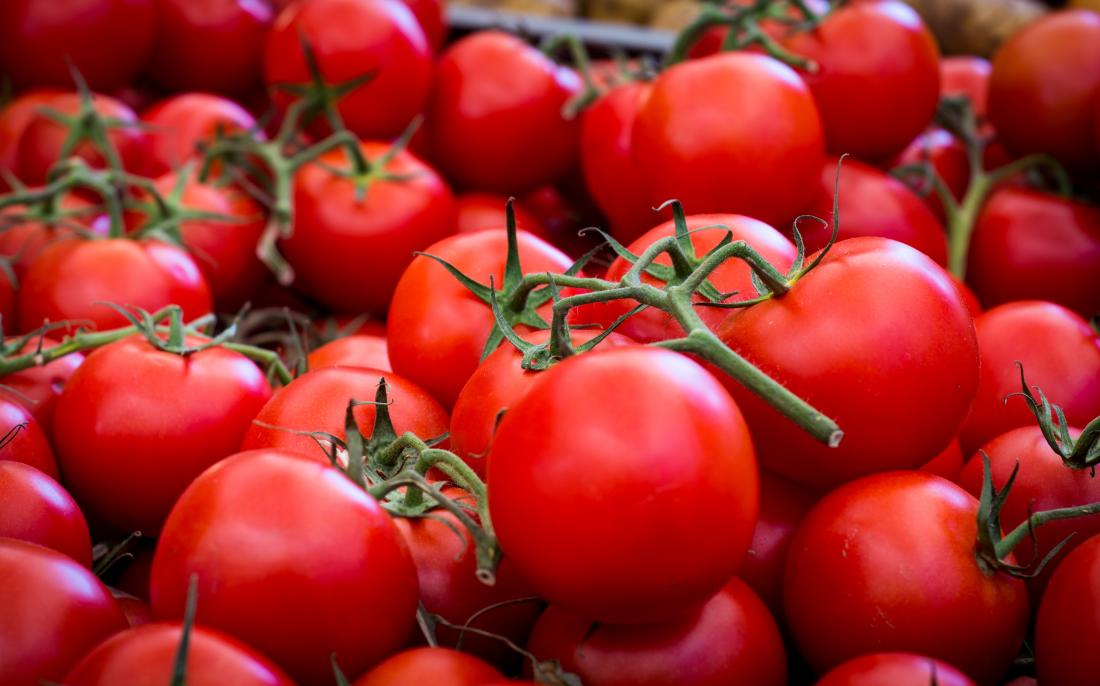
[55, 611]
[215, 45]
[348, 250]
[480, 211]
[1044, 86]
[948, 463]
[887, 563]
[431, 665]
[23, 239]
[761, 163]
[1059, 353]
[178, 125]
[135, 425]
[35, 508]
[495, 118]
[432, 16]
[293, 559]
[351, 39]
[28, 444]
[136, 611]
[38, 388]
[878, 79]
[72, 278]
[948, 158]
[106, 40]
[1069, 623]
[903, 373]
[14, 117]
[583, 483]
[894, 669]
[967, 75]
[357, 350]
[731, 639]
[1029, 245]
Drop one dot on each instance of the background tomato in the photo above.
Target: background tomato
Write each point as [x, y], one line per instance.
[35, 508]
[430, 665]
[37, 388]
[179, 125]
[1068, 618]
[28, 444]
[896, 669]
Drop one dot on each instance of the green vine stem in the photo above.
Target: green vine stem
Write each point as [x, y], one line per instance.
[583, 65]
[72, 174]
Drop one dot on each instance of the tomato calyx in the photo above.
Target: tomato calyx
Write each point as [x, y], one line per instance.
[70, 174]
[104, 557]
[1080, 453]
[179, 665]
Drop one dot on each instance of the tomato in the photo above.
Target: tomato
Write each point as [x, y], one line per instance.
[948, 463]
[894, 669]
[23, 239]
[213, 45]
[732, 276]
[432, 16]
[607, 129]
[1069, 620]
[136, 611]
[293, 559]
[28, 444]
[480, 211]
[887, 563]
[437, 329]
[318, 400]
[54, 612]
[872, 204]
[1044, 86]
[105, 40]
[886, 380]
[563, 210]
[352, 39]
[43, 138]
[179, 125]
[8, 299]
[761, 163]
[1029, 245]
[73, 278]
[37, 388]
[35, 508]
[494, 117]
[967, 75]
[1059, 353]
[878, 81]
[348, 249]
[135, 425]
[605, 493]
[947, 157]
[731, 639]
[430, 665]
[357, 350]
[14, 117]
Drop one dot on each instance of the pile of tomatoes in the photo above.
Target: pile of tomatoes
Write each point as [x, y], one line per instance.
[338, 350]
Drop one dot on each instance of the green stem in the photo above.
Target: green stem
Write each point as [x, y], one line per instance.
[1006, 545]
[461, 473]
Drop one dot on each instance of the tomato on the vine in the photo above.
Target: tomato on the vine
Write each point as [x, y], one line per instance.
[894, 669]
[179, 125]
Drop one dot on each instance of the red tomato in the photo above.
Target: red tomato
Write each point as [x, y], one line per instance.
[35, 508]
[431, 665]
[903, 373]
[55, 611]
[1044, 86]
[357, 350]
[351, 39]
[948, 158]
[38, 388]
[1069, 620]
[967, 75]
[878, 79]
[432, 16]
[22, 239]
[348, 250]
[437, 329]
[731, 639]
[480, 211]
[1059, 353]
[948, 463]
[563, 210]
[146, 656]
[212, 45]
[106, 40]
[325, 550]
[178, 125]
[29, 444]
[872, 204]
[1029, 245]
[761, 163]
[136, 425]
[584, 483]
[894, 669]
[495, 115]
[136, 611]
[134, 580]
[14, 118]
[72, 279]
[887, 563]
[317, 401]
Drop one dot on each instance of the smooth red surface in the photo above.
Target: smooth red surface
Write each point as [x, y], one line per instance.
[35, 508]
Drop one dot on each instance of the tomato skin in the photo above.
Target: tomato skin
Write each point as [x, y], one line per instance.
[1029, 245]
[480, 211]
[357, 350]
[948, 158]
[72, 278]
[54, 612]
[894, 669]
[179, 124]
[106, 40]
[113, 417]
[432, 17]
[137, 611]
[211, 45]
[23, 240]
[14, 118]
[887, 563]
[30, 445]
[35, 508]
[38, 388]
[1059, 353]
[1069, 623]
[589, 546]
[761, 163]
[867, 379]
[328, 551]
[967, 75]
[348, 252]
[494, 115]
[436, 329]
[948, 463]
[430, 665]
[878, 81]
[730, 639]
[352, 38]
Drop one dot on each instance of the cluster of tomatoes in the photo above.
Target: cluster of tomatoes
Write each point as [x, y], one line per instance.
[301, 331]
